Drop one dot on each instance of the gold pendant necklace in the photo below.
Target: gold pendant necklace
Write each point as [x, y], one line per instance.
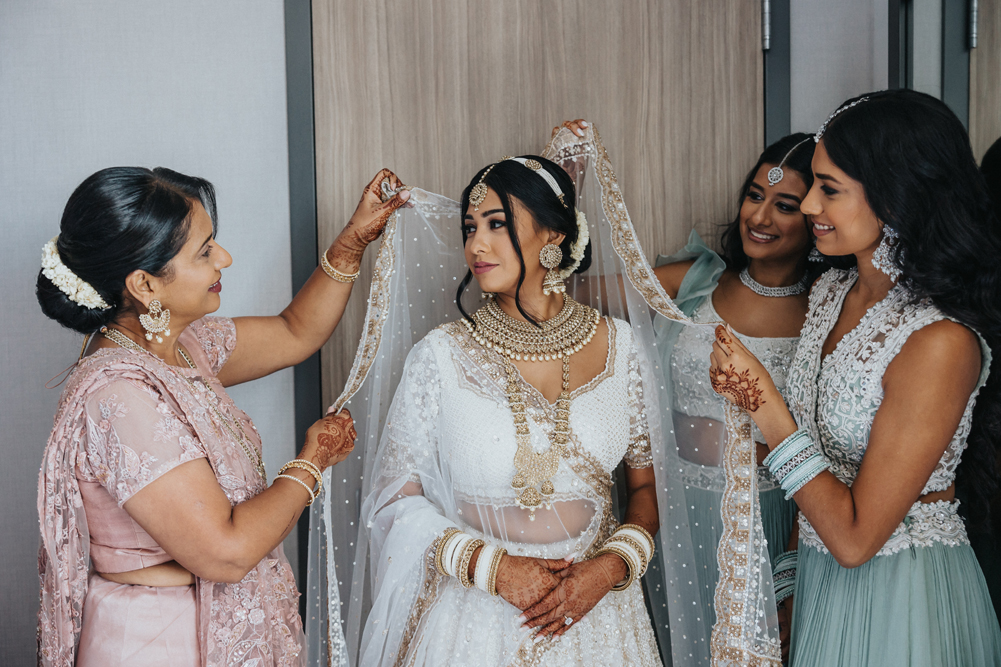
[559, 338]
[534, 471]
[237, 432]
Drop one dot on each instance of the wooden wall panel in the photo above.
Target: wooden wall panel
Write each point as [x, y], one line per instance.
[436, 89]
[985, 79]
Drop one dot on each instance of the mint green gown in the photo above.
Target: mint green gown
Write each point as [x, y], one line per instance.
[698, 419]
[922, 600]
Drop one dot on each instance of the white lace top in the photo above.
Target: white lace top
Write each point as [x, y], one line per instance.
[837, 398]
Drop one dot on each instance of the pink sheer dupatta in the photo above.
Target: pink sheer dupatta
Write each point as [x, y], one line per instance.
[253, 622]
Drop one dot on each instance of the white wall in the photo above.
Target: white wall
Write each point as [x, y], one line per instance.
[84, 84]
[837, 50]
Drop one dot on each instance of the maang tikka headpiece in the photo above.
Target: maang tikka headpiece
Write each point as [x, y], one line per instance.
[775, 174]
[823, 128]
[479, 191]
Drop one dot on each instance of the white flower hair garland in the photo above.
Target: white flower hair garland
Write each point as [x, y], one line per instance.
[577, 248]
[78, 291]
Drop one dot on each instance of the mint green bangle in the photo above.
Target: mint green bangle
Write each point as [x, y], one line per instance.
[787, 449]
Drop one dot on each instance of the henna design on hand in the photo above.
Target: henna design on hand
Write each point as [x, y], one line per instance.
[366, 223]
[740, 388]
[335, 439]
[723, 340]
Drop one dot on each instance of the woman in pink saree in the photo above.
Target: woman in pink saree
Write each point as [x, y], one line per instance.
[161, 540]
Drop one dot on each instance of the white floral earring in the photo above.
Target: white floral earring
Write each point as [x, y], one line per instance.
[156, 321]
[882, 258]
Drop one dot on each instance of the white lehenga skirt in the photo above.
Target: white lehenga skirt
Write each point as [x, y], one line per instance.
[468, 627]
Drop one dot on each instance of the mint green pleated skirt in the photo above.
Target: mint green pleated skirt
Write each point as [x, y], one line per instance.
[922, 607]
[706, 524]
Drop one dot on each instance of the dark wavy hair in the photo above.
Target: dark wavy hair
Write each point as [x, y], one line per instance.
[510, 179]
[914, 161]
[120, 220]
[732, 245]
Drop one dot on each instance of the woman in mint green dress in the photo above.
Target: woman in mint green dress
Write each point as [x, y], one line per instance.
[760, 285]
[891, 403]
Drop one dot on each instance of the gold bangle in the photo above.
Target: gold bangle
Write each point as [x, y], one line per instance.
[334, 273]
[303, 484]
[628, 539]
[467, 556]
[624, 555]
[439, 551]
[306, 466]
[653, 545]
[494, 566]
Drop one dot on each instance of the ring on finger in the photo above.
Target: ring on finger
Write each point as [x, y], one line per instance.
[567, 620]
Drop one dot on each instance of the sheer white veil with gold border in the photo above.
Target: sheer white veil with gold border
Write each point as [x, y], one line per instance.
[417, 272]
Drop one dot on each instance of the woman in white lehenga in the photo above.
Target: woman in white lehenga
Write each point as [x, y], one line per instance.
[496, 461]
[462, 442]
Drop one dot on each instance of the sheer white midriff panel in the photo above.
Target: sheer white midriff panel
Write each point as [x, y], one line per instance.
[568, 519]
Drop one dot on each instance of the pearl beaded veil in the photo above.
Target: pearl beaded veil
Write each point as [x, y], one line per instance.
[391, 392]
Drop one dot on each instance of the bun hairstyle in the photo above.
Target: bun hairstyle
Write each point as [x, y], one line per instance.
[799, 161]
[120, 220]
[508, 179]
[913, 159]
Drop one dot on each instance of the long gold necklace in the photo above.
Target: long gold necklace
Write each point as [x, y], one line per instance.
[558, 338]
[230, 424]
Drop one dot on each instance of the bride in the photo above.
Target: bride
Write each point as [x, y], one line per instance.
[495, 473]
[489, 532]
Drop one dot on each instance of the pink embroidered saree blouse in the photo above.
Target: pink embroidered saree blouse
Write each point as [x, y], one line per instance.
[124, 420]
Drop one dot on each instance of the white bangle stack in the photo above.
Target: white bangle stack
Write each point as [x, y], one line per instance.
[635, 546]
[453, 551]
[485, 576]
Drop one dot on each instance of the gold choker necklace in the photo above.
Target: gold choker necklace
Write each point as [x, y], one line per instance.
[572, 328]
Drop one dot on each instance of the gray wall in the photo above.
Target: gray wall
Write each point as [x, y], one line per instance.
[837, 50]
[85, 84]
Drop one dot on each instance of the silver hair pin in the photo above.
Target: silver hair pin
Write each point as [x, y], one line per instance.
[775, 174]
[823, 128]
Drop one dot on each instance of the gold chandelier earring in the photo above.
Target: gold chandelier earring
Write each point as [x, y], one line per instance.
[157, 321]
[550, 257]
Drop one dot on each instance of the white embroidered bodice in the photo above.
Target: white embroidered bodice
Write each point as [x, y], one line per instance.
[837, 397]
[458, 400]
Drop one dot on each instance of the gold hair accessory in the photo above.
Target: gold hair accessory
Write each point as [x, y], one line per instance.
[479, 191]
[157, 321]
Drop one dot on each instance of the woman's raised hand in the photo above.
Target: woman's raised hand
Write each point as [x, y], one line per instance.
[524, 581]
[576, 126]
[737, 375]
[367, 222]
[581, 587]
[330, 440]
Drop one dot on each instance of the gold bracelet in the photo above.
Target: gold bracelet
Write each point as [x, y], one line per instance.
[631, 541]
[494, 566]
[624, 555]
[312, 496]
[439, 551]
[334, 273]
[306, 466]
[467, 556]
